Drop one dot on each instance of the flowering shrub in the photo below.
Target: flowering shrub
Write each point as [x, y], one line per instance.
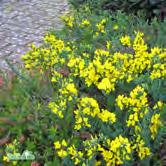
[107, 105]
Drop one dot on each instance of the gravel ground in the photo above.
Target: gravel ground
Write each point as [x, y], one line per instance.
[23, 22]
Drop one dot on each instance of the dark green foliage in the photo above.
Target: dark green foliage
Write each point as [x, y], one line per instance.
[23, 108]
[150, 8]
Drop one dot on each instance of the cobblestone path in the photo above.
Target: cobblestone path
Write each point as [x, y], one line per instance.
[25, 21]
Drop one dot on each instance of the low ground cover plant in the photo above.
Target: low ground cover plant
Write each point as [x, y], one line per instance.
[96, 93]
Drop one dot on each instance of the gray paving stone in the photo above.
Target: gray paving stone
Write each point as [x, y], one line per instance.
[23, 22]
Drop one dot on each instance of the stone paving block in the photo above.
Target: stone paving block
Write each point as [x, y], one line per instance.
[2, 53]
[3, 45]
[26, 21]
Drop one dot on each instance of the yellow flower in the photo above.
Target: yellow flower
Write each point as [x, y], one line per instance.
[115, 27]
[77, 161]
[56, 76]
[72, 62]
[62, 153]
[100, 26]
[119, 150]
[68, 20]
[139, 44]
[71, 88]
[72, 150]
[55, 109]
[106, 85]
[100, 52]
[14, 162]
[76, 155]
[108, 45]
[98, 163]
[119, 100]
[159, 71]
[85, 22]
[155, 50]
[83, 164]
[158, 105]
[137, 129]
[57, 145]
[155, 124]
[81, 65]
[133, 119]
[64, 143]
[143, 151]
[60, 114]
[90, 103]
[107, 116]
[5, 158]
[130, 78]
[140, 148]
[125, 40]
[80, 121]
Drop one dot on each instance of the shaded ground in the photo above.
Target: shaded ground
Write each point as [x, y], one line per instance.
[23, 22]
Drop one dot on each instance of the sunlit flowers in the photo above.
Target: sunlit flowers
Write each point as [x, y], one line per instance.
[155, 124]
[102, 95]
[125, 40]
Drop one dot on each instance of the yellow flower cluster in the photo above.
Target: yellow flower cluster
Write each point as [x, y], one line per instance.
[140, 148]
[56, 108]
[119, 150]
[80, 120]
[125, 40]
[45, 57]
[85, 23]
[159, 71]
[159, 67]
[137, 102]
[89, 107]
[115, 27]
[56, 76]
[67, 93]
[61, 148]
[100, 26]
[68, 20]
[91, 147]
[68, 90]
[105, 70]
[114, 151]
[96, 70]
[139, 45]
[76, 155]
[76, 64]
[137, 105]
[155, 124]
[107, 116]
[159, 105]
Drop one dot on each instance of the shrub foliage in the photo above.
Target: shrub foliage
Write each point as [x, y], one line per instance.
[150, 8]
[107, 101]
